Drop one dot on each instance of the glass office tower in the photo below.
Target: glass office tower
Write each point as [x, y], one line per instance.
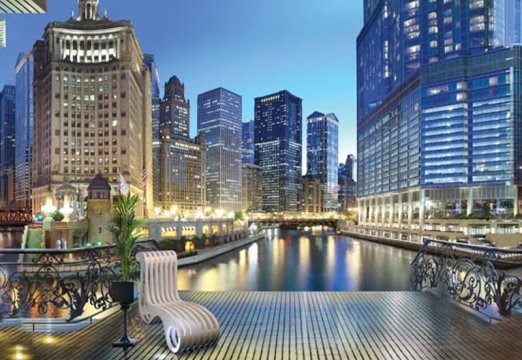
[150, 61]
[322, 157]
[247, 146]
[7, 143]
[24, 129]
[278, 150]
[219, 120]
[438, 111]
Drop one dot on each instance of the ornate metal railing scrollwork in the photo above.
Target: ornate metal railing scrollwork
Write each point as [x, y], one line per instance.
[67, 281]
[468, 274]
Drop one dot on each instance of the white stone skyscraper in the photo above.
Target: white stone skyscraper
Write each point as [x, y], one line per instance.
[92, 109]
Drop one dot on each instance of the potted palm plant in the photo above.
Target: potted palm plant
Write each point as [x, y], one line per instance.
[124, 226]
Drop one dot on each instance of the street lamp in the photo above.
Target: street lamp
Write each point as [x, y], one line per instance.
[48, 208]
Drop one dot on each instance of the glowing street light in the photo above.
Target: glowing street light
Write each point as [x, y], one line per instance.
[48, 208]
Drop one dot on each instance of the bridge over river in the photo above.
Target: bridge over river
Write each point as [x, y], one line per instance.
[294, 222]
[15, 217]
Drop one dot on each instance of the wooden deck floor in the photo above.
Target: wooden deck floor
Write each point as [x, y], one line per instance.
[297, 325]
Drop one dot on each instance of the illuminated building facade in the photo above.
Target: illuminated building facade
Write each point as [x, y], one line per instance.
[181, 160]
[24, 130]
[150, 61]
[439, 84]
[92, 114]
[278, 150]
[7, 143]
[322, 157]
[219, 120]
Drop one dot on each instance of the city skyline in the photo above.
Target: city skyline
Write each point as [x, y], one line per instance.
[252, 66]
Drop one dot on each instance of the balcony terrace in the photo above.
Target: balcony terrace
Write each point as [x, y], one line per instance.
[296, 325]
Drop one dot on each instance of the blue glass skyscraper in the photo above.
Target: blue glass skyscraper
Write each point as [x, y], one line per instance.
[7, 143]
[248, 142]
[220, 122]
[150, 61]
[278, 150]
[438, 111]
[322, 156]
[24, 129]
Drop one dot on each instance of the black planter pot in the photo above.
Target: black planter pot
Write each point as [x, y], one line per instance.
[124, 292]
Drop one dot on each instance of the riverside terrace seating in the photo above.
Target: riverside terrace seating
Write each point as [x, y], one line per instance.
[295, 326]
[187, 325]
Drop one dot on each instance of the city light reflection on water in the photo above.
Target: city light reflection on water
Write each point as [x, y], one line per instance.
[299, 261]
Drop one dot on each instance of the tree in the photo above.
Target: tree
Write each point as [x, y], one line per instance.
[199, 242]
[238, 216]
[57, 216]
[124, 226]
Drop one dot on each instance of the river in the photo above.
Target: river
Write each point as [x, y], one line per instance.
[289, 260]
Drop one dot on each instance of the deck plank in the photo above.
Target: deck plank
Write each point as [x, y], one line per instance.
[295, 325]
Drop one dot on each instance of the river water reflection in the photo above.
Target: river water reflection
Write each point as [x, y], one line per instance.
[299, 261]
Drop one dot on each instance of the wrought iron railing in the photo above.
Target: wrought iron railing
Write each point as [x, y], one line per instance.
[469, 274]
[58, 282]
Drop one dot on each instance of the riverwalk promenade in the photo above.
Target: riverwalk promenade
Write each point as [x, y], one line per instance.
[296, 325]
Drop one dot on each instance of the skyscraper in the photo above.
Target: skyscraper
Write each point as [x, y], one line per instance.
[438, 110]
[24, 129]
[150, 61]
[278, 150]
[182, 175]
[349, 166]
[175, 111]
[219, 119]
[7, 143]
[252, 197]
[247, 147]
[92, 107]
[322, 156]
[312, 195]
[182, 161]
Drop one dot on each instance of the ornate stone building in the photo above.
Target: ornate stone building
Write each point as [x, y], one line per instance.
[92, 110]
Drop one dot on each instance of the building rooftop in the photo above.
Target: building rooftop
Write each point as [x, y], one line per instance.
[99, 183]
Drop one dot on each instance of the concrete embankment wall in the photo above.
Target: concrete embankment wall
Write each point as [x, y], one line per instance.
[393, 242]
[207, 254]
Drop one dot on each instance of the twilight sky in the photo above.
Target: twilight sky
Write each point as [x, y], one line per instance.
[251, 47]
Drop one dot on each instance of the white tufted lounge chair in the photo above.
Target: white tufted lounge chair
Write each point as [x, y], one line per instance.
[187, 325]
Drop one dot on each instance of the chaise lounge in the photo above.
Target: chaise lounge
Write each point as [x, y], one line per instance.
[188, 326]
